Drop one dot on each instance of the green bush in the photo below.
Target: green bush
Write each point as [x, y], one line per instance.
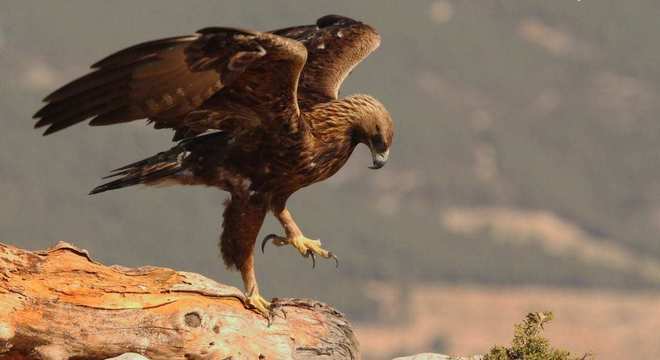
[529, 343]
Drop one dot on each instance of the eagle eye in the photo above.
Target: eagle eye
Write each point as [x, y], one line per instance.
[378, 143]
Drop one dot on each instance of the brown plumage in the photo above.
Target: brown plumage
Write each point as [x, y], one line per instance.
[256, 114]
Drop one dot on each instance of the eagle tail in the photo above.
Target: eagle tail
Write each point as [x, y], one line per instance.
[167, 164]
[150, 170]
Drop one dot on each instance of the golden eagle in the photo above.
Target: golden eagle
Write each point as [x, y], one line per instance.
[256, 114]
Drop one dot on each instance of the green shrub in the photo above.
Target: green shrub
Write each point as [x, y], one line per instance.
[529, 343]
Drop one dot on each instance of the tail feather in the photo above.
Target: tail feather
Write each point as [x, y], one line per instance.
[145, 171]
[164, 164]
[160, 157]
[130, 180]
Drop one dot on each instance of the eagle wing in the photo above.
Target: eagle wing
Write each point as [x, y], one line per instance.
[168, 81]
[335, 45]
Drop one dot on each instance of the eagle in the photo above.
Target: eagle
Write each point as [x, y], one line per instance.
[256, 114]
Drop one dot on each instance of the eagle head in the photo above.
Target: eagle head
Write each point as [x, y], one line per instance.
[373, 127]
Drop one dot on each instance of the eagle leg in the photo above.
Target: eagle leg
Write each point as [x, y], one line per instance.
[294, 237]
[254, 298]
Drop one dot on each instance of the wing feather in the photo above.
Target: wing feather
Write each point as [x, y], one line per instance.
[130, 54]
[164, 80]
[335, 45]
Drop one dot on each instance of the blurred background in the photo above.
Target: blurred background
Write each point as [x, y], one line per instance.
[524, 175]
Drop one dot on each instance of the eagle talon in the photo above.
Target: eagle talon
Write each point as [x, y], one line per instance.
[273, 310]
[306, 247]
[265, 240]
[310, 253]
[277, 241]
[260, 305]
[333, 256]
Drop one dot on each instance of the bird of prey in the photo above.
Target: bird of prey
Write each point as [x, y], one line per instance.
[256, 114]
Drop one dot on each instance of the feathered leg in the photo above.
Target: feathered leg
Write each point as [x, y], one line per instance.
[294, 237]
[243, 218]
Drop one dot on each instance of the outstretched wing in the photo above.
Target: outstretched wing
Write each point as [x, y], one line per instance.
[335, 45]
[168, 80]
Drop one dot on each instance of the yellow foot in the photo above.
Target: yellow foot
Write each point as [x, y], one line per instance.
[259, 304]
[306, 247]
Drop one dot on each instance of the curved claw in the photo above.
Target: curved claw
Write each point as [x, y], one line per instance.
[330, 254]
[265, 240]
[313, 259]
[273, 314]
[261, 306]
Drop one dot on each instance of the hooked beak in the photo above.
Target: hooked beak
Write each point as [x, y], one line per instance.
[379, 159]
